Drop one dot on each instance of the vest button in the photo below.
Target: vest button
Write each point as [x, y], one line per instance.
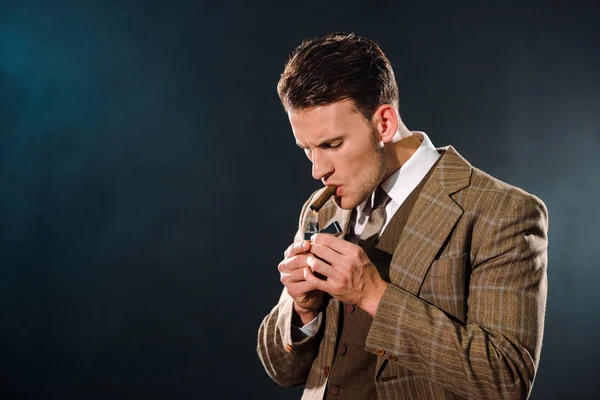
[350, 308]
[289, 348]
[325, 371]
[342, 349]
[380, 352]
[334, 391]
[393, 358]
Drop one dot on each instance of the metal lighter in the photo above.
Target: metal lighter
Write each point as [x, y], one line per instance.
[312, 227]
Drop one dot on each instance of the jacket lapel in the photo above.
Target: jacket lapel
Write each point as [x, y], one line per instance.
[429, 224]
[431, 221]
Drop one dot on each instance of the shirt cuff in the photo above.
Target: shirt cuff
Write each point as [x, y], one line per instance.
[310, 329]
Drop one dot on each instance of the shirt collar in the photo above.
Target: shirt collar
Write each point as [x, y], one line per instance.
[402, 182]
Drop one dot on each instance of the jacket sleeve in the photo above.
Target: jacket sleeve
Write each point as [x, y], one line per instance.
[288, 363]
[495, 354]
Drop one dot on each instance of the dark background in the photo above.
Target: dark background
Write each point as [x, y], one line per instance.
[149, 180]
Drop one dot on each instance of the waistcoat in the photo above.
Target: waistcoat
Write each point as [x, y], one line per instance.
[352, 375]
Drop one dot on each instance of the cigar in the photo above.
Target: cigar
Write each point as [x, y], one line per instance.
[326, 195]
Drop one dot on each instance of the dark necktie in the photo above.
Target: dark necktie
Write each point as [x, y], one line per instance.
[376, 221]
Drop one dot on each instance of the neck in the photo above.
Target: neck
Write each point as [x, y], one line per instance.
[399, 150]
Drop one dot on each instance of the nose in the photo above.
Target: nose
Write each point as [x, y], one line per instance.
[321, 167]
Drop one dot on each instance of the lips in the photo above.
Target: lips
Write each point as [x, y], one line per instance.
[338, 192]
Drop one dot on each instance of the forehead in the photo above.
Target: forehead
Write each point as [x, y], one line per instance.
[316, 124]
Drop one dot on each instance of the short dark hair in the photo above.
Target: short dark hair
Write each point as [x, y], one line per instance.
[335, 67]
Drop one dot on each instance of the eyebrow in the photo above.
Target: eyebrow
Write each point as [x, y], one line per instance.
[326, 142]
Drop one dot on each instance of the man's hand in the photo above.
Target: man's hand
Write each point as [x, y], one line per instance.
[293, 269]
[351, 277]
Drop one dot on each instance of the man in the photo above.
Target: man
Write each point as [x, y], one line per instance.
[437, 287]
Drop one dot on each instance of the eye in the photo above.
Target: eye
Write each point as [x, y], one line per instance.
[335, 146]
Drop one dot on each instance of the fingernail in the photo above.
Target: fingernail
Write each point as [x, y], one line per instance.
[313, 237]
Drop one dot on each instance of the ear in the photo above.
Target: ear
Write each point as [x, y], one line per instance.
[385, 120]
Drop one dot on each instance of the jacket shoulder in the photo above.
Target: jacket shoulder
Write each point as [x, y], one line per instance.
[491, 195]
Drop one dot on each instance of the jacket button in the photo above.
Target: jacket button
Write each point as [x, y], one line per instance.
[380, 352]
[334, 390]
[342, 349]
[350, 308]
[289, 348]
[393, 358]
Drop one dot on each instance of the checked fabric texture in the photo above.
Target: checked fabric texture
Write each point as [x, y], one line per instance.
[463, 314]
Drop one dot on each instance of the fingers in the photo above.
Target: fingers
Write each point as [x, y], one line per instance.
[325, 253]
[321, 267]
[296, 275]
[307, 265]
[339, 245]
[291, 269]
[288, 265]
[300, 288]
[316, 283]
[297, 248]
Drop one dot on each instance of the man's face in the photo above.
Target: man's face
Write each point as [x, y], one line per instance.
[343, 148]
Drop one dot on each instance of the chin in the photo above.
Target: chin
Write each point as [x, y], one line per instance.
[344, 202]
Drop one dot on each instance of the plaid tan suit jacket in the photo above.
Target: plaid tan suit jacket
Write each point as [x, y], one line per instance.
[463, 315]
